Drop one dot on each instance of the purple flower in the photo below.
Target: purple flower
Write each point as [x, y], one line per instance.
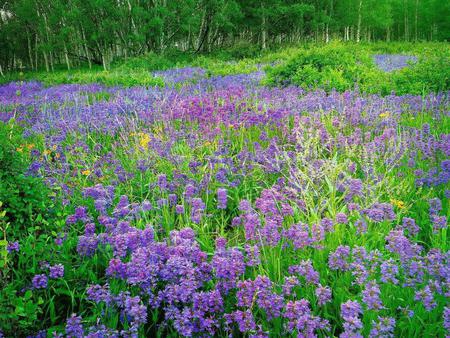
[306, 270]
[74, 328]
[439, 222]
[300, 318]
[323, 294]
[40, 281]
[13, 246]
[146, 206]
[426, 297]
[341, 218]
[338, 260]
[350, 312]
[409, 225]
[435, 206]
[179, 209]
[221, 198]
[383, 328]
[162, 182]
[116, 268]
[290, 283]
[371, 296]
[252, 255]
[245, 206]
[446, 316]
[327, 224]
[389, 271]
[136, 310]
[57, 271]
[244, 320]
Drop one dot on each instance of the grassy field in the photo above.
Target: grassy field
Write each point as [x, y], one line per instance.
[300, 192]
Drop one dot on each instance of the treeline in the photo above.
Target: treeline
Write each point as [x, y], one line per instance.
[37, 34]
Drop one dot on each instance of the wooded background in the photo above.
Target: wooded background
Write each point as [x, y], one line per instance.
[39, 34]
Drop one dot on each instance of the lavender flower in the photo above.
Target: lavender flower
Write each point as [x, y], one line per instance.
[323, 294]
[13, 246]
[338, 260]
[384, 327]
[371, 296]
[40, 281]
[426, 297]
[222, 198]
[57, 271]
[74, 328]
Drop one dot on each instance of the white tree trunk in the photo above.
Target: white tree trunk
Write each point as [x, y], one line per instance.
[264, 29]
[358, 30]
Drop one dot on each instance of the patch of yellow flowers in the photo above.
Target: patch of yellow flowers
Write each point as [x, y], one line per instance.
[25, 146]
[399, 204]
[385, 114]
[143, 138]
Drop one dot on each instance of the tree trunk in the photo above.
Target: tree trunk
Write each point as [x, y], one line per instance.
[66, 56]
[36, 52]
[47, 68]
[358, 30]
[264, 29]
[86, 51]
[30, 55]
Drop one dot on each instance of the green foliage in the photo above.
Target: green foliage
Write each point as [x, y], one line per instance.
[431, 74]
[24, 197]
[346, 66]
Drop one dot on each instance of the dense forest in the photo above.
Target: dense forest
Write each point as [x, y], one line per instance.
[39, 34]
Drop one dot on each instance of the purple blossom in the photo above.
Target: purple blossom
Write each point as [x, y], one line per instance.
[341, 218]
[57, 271]
[40, 281]
[371, 296]
[323, 294]
[13, 246]
[221, 198]
[426, 297]
[74, 328]
[350, 312]
[300, 319]
[338, 260]
[384, 327]
[389, 271]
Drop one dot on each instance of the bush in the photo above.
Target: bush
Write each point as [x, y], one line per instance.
[346, 66]
[24, 197]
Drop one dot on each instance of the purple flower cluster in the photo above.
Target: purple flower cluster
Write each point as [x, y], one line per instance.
[40, 281]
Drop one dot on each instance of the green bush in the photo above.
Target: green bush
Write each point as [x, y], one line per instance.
[346, 66]
[431, 74]
[24, 197]
[333, 66]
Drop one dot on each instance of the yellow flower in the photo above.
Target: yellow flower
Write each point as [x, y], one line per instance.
[398, 204]
[385, 114]
[30, 146]
[19, 149]
[47, 152]
[144, 140]
[86, 172]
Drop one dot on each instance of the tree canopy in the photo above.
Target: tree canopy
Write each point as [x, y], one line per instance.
[42, 33]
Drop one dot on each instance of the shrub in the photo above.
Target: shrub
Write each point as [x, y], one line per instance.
[24, 197]
[346, 66]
